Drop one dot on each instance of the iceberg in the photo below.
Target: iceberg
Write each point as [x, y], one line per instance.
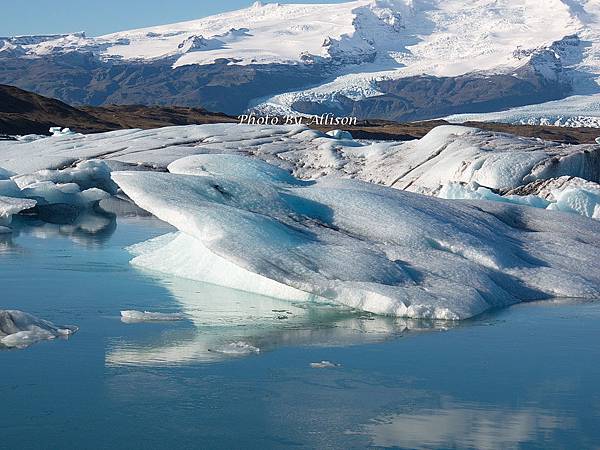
[567, 194]
[579, 201]
[86, 175]
[448, 155]
[248, 225]
[58, 195]
[20, 330]
[10, 206]
[494, 160]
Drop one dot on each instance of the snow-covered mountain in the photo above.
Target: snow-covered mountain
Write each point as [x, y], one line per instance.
[347, 57]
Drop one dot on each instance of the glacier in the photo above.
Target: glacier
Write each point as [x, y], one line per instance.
[437, 38]
[574, 111]
[20, 330]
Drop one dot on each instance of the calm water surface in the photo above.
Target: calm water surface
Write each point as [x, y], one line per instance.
[524, 377]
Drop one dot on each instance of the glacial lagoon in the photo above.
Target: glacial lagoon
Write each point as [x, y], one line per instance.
[236, 371]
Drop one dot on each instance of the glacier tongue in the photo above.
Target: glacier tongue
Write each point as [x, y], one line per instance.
[248, 225]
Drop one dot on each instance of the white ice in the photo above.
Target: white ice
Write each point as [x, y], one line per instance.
[567, 194]
[249, 226]
[10, 206]
[574, 111]
[446, 155]
[432, 263]
[81, 186]
[132, 316]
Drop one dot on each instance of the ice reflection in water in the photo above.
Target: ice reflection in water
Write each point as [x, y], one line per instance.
[528, 381]
[456, 425]
[223, 319]
[89, 228]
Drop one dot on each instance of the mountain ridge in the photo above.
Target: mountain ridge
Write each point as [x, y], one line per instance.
[23, 113]
[355, 57]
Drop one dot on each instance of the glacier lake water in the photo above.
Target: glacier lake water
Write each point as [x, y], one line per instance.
[236, 373]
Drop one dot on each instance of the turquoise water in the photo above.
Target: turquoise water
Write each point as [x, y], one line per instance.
[522, 377]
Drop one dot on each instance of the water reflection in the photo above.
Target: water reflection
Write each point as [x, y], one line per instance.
[89, 226]
[456, 425]
[222, 319]
[6, 242]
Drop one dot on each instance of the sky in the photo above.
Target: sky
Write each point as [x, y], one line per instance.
[97, 17]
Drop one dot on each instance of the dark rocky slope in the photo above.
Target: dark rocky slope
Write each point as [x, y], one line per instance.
[23, 112]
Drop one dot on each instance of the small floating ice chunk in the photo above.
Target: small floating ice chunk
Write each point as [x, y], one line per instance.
[10, 206]
[20, 330]
[133, 316]
[60, 131]
[340, 134]
[237, 348]
[324, 365]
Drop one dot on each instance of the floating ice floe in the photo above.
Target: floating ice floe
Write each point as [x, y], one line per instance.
[59, 195]
[446, 154]
[324, 365]
[86, 175]
[10, 203]
[132, 316]
[247, 225]
[20, 330]
[494, 160]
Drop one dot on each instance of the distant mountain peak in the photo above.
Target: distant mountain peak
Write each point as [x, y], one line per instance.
[337, 54]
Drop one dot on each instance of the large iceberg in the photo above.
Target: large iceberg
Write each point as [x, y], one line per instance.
[249, 225]
[308, 227]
